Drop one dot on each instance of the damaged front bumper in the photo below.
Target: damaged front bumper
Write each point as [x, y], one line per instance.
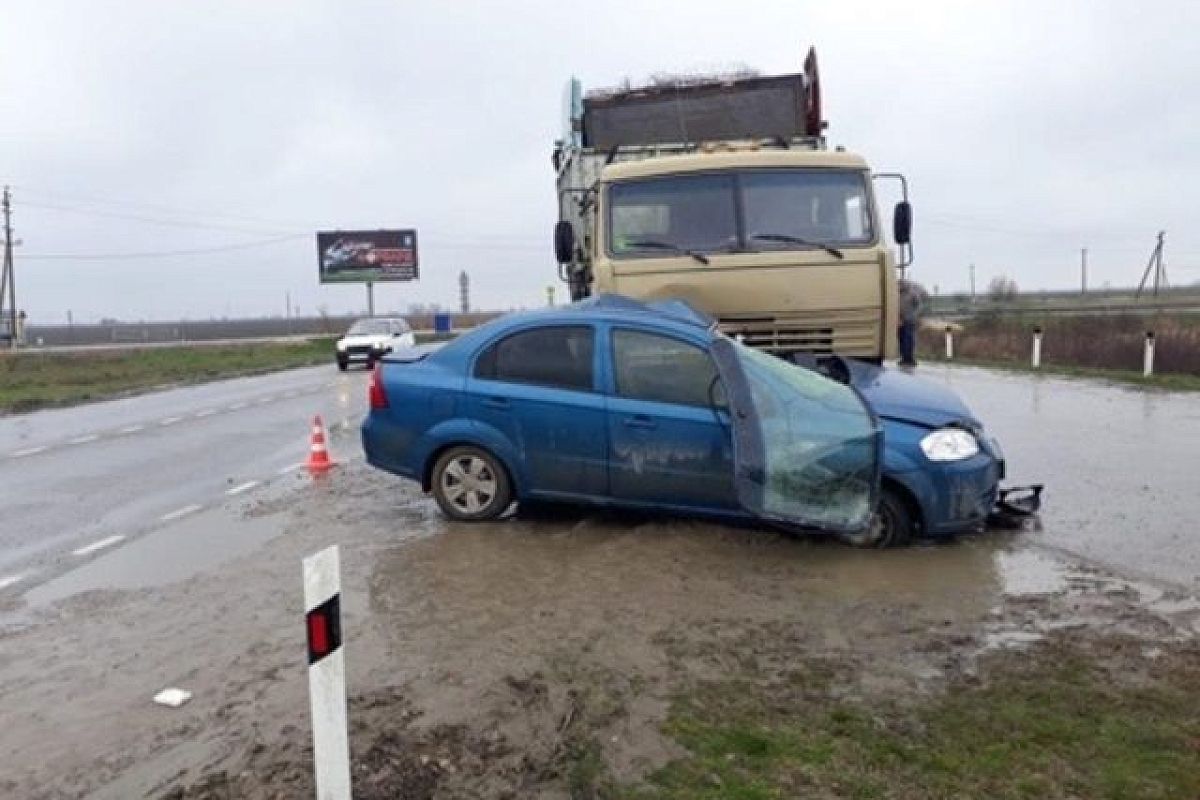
[1015, 505]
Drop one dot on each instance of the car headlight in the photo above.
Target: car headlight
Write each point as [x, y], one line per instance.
[949, 444]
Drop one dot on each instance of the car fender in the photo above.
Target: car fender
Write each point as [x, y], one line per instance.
[461, 431]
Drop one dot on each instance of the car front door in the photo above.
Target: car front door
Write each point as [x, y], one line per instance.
[807, 449]
[537, 388]
[669, 439]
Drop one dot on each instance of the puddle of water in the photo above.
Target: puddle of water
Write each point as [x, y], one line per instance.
[186, 548]
[1028, 572]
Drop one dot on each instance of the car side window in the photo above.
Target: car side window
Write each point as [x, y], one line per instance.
[558, 356]
[652, 367]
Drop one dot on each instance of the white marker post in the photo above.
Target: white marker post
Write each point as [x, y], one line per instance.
[1037, 348]
[949, 343]
[327, 674]
[1148, 356]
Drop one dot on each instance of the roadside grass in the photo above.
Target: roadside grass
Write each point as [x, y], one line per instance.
[1048, 724]
[1159, 380]
[32, 380]
[1096, 346]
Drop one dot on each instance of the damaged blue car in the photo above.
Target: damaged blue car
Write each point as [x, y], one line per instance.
[613, 402]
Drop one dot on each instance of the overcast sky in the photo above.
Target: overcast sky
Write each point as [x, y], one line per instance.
[1028, 131]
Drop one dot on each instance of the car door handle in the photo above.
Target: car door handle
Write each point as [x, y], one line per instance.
[640, 421]
[496, 402]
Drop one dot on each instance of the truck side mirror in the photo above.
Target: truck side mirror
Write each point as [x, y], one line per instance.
[902, 223]
[564, 242]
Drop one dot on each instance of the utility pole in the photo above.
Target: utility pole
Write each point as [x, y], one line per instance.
[9, 279]
[972, 284]
[464, 292]
[1083, 271]
[1155, 263]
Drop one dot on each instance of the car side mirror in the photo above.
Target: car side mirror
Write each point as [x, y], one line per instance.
[564, 242]
[902, 223]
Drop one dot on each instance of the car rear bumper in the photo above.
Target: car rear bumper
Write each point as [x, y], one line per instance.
[384, 446]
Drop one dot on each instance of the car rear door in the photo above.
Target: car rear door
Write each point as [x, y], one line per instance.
[537, 388]
[669, 440]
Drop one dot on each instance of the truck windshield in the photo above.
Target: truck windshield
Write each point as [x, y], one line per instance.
[779, 209]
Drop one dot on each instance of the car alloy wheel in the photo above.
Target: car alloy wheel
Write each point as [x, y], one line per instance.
[470, 485]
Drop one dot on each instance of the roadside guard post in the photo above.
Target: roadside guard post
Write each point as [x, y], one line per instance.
[327, 674]
[1037, 348]
[949, 343]
[1148, 356]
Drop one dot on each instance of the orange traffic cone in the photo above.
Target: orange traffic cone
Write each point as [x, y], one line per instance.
[318, 456]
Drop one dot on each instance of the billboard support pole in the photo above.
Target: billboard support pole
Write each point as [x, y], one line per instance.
[370, 299]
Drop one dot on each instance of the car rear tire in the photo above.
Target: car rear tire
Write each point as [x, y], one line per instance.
[470, 484]
[893, 525]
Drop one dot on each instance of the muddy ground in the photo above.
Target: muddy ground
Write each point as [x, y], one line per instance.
[535, 657]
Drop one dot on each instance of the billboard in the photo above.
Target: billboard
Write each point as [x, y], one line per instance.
[367, 256]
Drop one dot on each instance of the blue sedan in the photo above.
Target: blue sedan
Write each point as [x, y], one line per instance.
[614, 402]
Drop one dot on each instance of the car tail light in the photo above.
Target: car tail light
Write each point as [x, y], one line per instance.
[376, 396]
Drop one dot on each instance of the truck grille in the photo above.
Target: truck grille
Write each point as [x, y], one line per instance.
[848, 332]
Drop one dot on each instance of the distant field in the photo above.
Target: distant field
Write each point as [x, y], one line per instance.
[1109, 346]
[31, 380]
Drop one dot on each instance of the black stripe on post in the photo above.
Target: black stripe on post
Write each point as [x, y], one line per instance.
[324, 627]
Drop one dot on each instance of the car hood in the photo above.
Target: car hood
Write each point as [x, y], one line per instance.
[369, 340]
[897, 395]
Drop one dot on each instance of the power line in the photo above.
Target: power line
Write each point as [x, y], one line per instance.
[174, 223]
[162, 253]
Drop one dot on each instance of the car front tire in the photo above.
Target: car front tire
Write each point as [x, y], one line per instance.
[892, 526]
[470, 484]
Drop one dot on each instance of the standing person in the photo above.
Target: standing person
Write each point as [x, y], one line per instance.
[910, 317]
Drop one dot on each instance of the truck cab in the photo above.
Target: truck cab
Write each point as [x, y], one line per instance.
[725, 194]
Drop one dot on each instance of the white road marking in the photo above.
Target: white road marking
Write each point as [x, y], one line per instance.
[108, 541]
[245, 487]
[169, 421]
[28, 451]
[91, 437]
[291, 468]
[237, 406]
[262, 401]
[208, 412]
[179, 512]
[9, 580]
[133, 429]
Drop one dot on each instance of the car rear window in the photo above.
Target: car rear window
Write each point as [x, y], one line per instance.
[557, 356]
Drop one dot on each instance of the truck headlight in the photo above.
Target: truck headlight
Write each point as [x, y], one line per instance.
[949, 444]
[340, 345]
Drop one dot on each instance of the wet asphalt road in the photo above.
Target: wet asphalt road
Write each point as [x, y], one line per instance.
[76, 483]
[1120, 465]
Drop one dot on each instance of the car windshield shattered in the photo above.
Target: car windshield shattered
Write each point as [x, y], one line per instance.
[807, 449]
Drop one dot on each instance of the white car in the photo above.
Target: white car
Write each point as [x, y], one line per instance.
[370, 339]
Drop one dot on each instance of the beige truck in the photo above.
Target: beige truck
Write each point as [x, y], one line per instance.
[724, 192]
